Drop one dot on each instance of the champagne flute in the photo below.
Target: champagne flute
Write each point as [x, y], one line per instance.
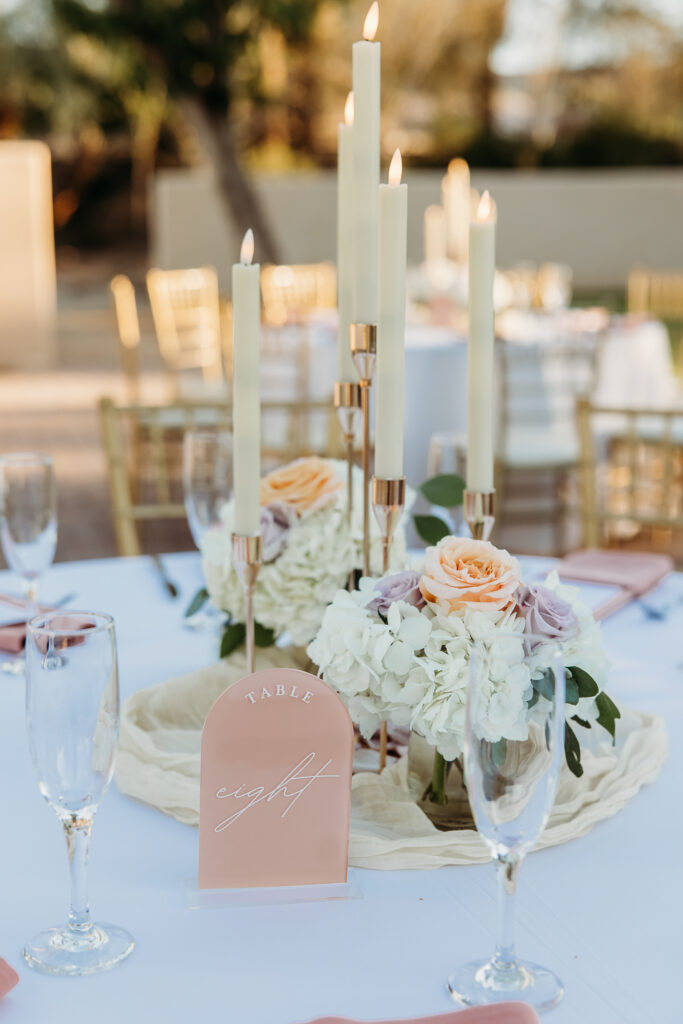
[207, 486]
[28, 524]
[72, 720]
[512, 785]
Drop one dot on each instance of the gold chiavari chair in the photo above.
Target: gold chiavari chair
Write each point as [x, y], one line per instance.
[187, 319]
[659, 293]
[123, 292]
[631, 475]
[143, 451]
[290, 293]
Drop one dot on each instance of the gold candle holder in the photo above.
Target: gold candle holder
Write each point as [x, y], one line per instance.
[388, 502]
[347, 404]
[480, 515]
[247, 558]
[364, 352]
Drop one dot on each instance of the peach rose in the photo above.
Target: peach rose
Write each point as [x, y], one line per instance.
[305, 484]
[461, 574]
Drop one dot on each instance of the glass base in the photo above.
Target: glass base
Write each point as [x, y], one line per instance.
[62, 951]
[14, 666]
[479, 983]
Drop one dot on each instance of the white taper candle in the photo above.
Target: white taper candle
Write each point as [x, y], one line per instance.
[246, 389]
[393, 219]
[366, 85]
[346, 371]
[480, 365]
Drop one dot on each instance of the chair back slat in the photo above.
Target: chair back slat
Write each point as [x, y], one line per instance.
[128, 324]
[187, 320]
[631, 473]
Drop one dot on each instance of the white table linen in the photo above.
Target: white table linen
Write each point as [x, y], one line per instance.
[604, 911]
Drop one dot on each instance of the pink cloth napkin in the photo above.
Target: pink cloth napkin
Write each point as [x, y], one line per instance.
[13, 636]
[634, 572]
[502, 1013]
[8, 978]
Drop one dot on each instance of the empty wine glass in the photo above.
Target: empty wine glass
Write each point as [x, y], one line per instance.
[512, 785]
[28, 524]
[72, 720]
[207, 486]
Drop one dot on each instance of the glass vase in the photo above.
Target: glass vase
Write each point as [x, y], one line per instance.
[438, 786]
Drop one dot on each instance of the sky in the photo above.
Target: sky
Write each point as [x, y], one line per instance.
[535, 38]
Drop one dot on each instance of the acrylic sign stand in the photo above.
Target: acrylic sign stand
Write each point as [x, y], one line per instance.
[275, 792]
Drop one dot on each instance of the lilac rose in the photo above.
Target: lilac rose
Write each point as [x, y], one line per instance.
[400, 586]
[547, 615]
[277, 520]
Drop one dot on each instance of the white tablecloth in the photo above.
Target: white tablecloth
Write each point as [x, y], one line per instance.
[603, 911]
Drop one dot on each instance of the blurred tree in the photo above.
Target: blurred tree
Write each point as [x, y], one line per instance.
[193, 49]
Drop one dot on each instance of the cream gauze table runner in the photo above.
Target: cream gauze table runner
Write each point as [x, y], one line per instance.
[159, 762]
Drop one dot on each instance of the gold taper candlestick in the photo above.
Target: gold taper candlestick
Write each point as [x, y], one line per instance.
[388, 502]
[247, 557]
[364, 352]
[480, 514]
[347, 404]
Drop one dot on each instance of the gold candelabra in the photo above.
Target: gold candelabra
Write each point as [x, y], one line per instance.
[480, 515]
[347, 404]
[247, 558]
[364, 352]
[388, 502]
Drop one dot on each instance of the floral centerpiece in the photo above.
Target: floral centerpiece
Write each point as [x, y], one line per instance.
[309, 550]
[399, 648]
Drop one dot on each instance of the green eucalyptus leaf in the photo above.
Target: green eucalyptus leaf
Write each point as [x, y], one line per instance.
[445, 490]
[431, 528]
[581, 721]
[572, 751]
[585, 682]
[197, 602]
[232, 637]
[263, 637]
[571, 692]
[545, 684]
[608, 713]
[534, 700]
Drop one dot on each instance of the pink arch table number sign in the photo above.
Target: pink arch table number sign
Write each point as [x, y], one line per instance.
[275, 788]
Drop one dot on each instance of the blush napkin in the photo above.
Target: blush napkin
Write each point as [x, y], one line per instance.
[502, 1013]
[635, 573]
[13, 634]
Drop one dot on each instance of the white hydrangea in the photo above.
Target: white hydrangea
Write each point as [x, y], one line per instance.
[413, 668]
[292, 592]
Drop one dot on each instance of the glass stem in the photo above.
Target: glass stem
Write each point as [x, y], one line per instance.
[77, 833]
[505, 958]
[31, 589]
[439, 773]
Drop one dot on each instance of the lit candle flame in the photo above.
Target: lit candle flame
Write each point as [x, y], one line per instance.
[247, 250]
[485, 207]
[458, 166]
[395, 168]
[348, 109]
[371, 22]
